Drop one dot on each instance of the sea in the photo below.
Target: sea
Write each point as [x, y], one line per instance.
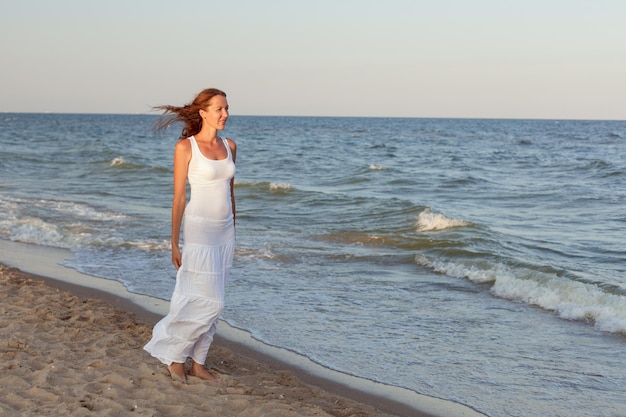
[475, 260]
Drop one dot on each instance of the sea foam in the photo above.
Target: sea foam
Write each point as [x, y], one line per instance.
[117, 162]
[428, 221]
[280, 186]
[67, 225]
[568, 298]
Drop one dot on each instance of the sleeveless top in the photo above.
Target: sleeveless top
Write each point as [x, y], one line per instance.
[209, 181]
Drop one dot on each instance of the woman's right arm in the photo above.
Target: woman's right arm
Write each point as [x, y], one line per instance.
[182, 156]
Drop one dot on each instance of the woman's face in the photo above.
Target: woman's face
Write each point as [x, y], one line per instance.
[216, 113]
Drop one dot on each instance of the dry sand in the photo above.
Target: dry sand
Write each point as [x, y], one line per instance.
[65, 353]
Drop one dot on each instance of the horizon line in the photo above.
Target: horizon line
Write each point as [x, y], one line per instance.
[331, 117]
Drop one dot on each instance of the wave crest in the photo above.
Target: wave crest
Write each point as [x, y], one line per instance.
[116, 162]
[376, 167]
[569, 299]
[428, 221]
[280, 187]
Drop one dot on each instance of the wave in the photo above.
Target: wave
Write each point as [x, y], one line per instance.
[11, 206]
[376, 167]
[116, 162]
[546, 288]
[264, 253]
[427, 221]
[601, 169]
[568, 298]
[280, 187]
[394, 226]
[68, 225]
[355, 238]
[120, 163]
[265, 187]
[70, 235]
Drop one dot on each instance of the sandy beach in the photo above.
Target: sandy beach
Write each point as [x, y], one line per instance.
[71, 350]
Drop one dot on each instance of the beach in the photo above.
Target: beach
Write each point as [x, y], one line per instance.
[72, 350]
[462, 267]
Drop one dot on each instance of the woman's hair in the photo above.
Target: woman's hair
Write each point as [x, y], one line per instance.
[189, 114]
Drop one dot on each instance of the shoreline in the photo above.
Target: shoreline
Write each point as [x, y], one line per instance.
[42, 264]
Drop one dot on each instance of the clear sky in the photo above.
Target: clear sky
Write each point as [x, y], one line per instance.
[554, 59]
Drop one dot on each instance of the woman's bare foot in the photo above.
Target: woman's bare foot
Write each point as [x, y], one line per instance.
[177, 371]
[199, 371]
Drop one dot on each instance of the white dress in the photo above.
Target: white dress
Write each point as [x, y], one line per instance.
[207, 255]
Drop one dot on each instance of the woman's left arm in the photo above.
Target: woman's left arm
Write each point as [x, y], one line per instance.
[233, 151]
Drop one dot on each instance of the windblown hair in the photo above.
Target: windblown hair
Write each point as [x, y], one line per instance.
[189, 114]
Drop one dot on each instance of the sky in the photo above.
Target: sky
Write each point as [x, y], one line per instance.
[538, 59]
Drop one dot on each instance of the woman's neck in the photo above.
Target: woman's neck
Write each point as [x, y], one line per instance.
[206, 135]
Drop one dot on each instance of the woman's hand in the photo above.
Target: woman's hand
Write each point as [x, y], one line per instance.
[177, 259]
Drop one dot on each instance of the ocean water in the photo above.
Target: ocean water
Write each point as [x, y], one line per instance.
[479, 261]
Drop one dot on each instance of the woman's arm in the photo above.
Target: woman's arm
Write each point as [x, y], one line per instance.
[233, 151]
[182, 156]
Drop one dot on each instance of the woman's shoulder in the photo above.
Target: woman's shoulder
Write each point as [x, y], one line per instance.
[233, 148]
[184, 142]
[231, 143]
[183, 145]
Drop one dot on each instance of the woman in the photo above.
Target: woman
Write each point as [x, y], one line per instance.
[208, 162]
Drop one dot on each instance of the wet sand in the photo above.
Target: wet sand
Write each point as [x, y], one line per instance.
[73, 350]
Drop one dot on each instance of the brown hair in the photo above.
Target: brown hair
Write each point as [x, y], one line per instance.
[189, 114]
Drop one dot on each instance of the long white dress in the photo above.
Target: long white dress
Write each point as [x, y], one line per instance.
[207, 255]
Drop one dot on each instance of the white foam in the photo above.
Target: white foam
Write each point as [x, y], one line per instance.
[280, 187]
[81, 211]
[72, 209]
[264, 253]
[117, 162]
[33, 230]
[428, 221]
[150, 246]
[64, 224]
[569, 299]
